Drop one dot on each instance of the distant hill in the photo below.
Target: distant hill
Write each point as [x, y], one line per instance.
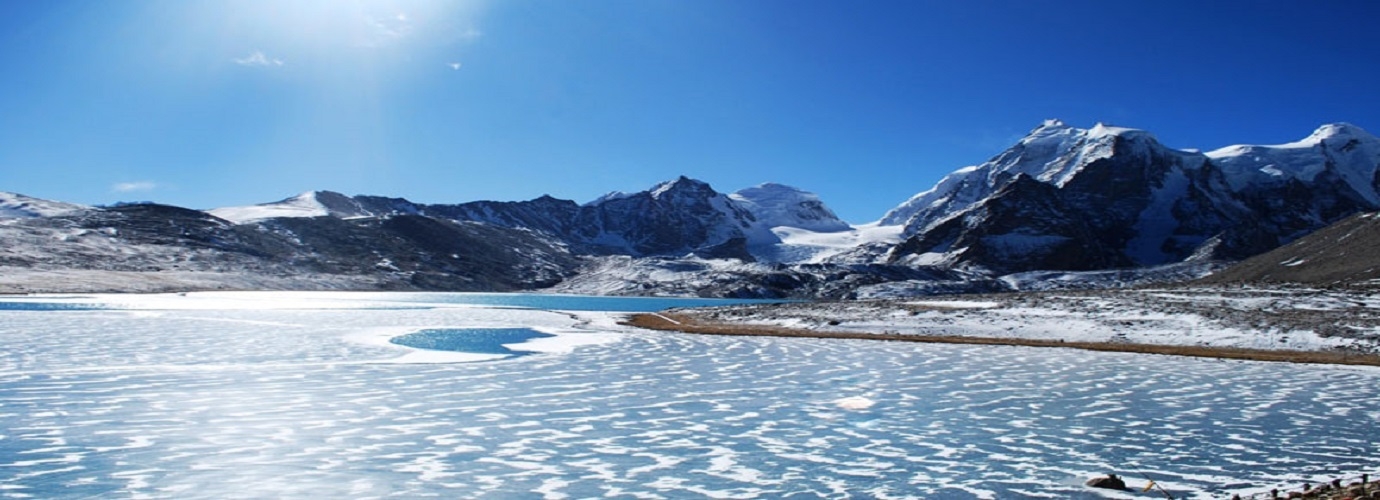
[1342, 254]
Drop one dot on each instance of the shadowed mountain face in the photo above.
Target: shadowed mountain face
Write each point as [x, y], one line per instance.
[1342, 254]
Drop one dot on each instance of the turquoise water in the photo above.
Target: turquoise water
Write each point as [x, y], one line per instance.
[473, 340]
[51, 306]
[414, 299]
[570, 302]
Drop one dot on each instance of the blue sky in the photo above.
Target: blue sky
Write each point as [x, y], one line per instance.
[217, 103]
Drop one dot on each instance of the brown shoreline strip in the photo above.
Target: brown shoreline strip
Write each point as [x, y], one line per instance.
[677, 322]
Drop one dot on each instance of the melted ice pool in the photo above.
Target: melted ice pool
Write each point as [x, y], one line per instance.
[471, 340]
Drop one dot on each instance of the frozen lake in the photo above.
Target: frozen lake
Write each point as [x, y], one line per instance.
[250, 395]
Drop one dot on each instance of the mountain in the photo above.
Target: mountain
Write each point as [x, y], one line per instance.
[1065, 198]
[777, 205]
[674, 218]
[1064, 207]
[18, 206]
[184, 246]
[1341, 254]
[316, 204]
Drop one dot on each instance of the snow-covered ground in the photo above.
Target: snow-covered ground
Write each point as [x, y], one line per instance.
[42, 280]
[1301, 320]
[299, 395]
[813, 247]
[18, 206]
[302, 205]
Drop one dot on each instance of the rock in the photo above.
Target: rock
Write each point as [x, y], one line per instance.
[1110, 481]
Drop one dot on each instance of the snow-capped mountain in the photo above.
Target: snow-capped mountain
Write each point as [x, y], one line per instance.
[676, 217]
[1061, 208]
[1110, 197]
[777, 205]
[673, 218]
[308, 204]
[18, 206]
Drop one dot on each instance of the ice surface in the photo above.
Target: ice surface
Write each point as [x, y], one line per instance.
[243, 400]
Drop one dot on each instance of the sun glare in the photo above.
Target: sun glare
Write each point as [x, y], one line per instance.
[277, 33]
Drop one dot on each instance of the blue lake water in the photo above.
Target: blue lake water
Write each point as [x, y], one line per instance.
[244, 403]
[471, 340]
[569, 302]
[50, 306]
[415, 299]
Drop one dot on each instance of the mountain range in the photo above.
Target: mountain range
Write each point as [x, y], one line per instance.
[1104, 201]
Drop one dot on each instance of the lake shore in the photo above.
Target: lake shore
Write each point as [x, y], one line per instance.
[1292, 330]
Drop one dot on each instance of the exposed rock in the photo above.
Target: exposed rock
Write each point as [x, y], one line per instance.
[1109, 481]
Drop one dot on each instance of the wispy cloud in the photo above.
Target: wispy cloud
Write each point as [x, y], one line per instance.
[454, 66]
[387, 30]
[134, 187]
[258, 58]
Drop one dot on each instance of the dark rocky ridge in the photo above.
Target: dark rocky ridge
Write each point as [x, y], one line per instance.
[1340, 255]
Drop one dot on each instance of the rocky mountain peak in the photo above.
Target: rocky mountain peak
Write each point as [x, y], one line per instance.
[682, 186]
[1143, 203]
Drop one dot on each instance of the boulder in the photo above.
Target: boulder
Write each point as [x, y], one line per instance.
[1109, 481]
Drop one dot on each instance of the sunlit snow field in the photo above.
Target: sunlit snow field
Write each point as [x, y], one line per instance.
[248, 395]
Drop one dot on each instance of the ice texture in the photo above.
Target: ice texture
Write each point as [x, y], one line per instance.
[284, 396]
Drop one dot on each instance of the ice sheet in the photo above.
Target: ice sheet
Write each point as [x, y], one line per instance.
[313, 403]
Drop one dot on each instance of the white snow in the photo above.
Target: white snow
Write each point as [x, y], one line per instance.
[623, 275]
[18, 206]
[302, 205]
[803, 246]
[778, 206]
[1187, 318]
[955, 304]
[1157, 222]
[1053, 153]
[1331, 144]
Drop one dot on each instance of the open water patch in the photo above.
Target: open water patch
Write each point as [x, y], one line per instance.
[471, 340]
[51, 306]
[561, 302]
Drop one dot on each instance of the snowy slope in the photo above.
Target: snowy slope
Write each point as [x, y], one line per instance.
[18, 206]
[1346, 149]
[803, 246]
[308, 204]
[778, 205]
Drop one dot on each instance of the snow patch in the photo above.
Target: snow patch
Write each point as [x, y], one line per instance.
[302, 205]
